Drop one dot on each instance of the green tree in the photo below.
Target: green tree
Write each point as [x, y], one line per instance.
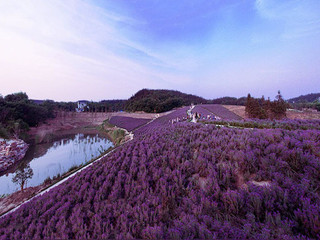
[279, 107]
[22, 175]
[253, 108]
[16, 97]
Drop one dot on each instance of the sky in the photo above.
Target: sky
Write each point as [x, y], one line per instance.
[110, 49]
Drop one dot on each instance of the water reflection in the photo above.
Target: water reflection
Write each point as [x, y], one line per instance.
[49, 160]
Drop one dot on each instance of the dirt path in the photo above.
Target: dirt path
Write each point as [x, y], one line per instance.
[239, 110]
[291, 113]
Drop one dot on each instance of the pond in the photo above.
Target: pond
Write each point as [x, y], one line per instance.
[49, 160]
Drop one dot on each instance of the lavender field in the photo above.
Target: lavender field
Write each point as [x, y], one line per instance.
[128, 123]
[186, 181]
[287, 124]
[167, 120]
[221, 111]
[196, 98]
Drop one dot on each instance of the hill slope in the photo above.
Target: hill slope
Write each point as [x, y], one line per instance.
[160, 100]
[186, 181]
[309, 98]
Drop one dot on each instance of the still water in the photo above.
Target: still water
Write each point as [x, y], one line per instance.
[49, 160]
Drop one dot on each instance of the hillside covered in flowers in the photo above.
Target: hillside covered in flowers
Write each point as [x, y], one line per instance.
[183, 180]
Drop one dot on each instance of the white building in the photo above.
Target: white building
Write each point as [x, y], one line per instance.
[82, 104]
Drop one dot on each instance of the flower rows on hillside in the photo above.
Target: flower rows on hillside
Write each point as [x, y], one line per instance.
[186, 181]
[203, 113]
[287, 124]
[221, 111]
[214, 111]
[175, 116]
[128, 123]
[143, 126]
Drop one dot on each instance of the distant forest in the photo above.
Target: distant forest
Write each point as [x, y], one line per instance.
[309, 98]
[107, 106]
[306, 101]
[229, 101]
[262, 109]
[18, 112]
[160, 100]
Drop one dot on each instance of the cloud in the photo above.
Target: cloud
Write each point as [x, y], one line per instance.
[67, 49]
[299, 18]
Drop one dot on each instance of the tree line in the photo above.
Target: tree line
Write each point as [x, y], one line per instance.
[160, 100]
[106, 106]
[18, 113]
[263, 109]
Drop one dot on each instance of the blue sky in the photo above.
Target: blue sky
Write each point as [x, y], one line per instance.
[95, 49]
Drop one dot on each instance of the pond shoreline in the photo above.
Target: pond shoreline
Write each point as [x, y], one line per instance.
[12, 151]
[73, 121]
[13, 201]
[54, 130]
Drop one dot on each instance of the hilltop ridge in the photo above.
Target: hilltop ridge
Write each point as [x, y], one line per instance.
[162, 100]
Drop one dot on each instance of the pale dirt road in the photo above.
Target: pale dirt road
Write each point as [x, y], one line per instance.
[291, 114]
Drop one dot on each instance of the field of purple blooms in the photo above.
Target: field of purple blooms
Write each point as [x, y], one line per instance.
[128, 123]
[202, 111]
[211, 111]
[221, 111]
[186, 181]
[175, 116]
[287, 124]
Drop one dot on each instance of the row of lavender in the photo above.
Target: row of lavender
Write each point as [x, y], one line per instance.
[186, 181]
[221, 111]
[128, 123]
[287, 124]
[206, 112]
[175, 116]
[203, 114]
[214, 111]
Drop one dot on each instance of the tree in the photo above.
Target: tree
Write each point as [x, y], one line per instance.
[279, 107]
[22, 175]
[262, 109]
[16, 97]
[254, 109]
[248, 108]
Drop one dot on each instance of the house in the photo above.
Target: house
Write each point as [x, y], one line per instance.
[82, 105]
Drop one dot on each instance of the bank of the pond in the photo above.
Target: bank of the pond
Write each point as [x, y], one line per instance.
[47, 160]
[9, 201]
[11, 152]
[12, 202]
[73, 122]
[47, 133]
